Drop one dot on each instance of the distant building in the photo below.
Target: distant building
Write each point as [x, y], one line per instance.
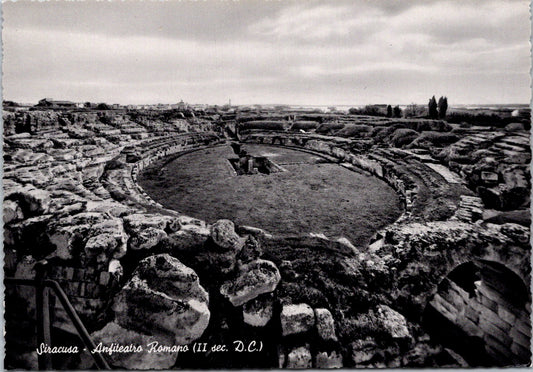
[180, 106]
[9, 104]
[49, 102]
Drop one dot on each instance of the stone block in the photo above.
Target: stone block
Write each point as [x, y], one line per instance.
[299, 358]
[36, 201]
[72, 288]
[296, 319]
[329, 360]
[224, 235]
[363, 351]
[188, 237]
[523, 325]
[488, 303]
[523, 353]
[471, 313]
[454, 299]
[25, 270]
[163, 297]
[113, 333]
[489, 316]
[457, 359]
[92, 290]
[520, 338]
[136, 222]
[251, 250]
[64, 238]
[490, 329]
[104, 278]
[444, 308]
[392, 322]
[68, 273]
[458, 291]
[252, 280]
[101, 243]
[484, 290]
[325, 325]
[12, 211]
[469, 327]
[489, 177]
[506, 315]
[497, 350]
[258, 311]
[146, 238]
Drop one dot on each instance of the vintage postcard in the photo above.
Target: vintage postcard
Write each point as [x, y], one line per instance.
[266, 184]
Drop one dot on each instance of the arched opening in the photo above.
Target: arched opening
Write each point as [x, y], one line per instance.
[482, 311]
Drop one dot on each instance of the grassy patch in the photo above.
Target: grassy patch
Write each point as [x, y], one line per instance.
[309, 197]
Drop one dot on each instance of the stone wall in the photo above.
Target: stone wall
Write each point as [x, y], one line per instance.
[503, 327]
[62, 201]
[374, 164]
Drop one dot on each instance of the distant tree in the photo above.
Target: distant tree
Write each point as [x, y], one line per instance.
[389, 111]
[432, 108]
[397, 111]
[371, 110]
[102, 106]
[443, 107]
[411, 110]
[353, 111]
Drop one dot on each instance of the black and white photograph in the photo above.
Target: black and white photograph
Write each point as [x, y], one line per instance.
[266, 184]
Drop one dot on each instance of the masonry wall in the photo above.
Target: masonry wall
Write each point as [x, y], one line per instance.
[488, 315]
[361, 161]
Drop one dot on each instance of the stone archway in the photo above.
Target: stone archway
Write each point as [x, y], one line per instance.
[481, 310]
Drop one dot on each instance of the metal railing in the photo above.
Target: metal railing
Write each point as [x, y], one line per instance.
[42, 287]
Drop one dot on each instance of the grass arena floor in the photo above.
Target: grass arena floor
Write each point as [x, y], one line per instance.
[313, 195]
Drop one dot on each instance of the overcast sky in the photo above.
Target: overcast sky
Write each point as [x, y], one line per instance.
[294, 52]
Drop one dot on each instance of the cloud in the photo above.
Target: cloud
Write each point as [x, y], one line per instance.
[301, 22]
[450, 22]
[295, 52]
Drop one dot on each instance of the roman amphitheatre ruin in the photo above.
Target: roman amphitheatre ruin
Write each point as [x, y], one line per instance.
[318, 240]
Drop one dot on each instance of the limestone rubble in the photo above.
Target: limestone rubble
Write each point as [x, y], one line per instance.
[163, 297]
[253, 279]
[131, 267]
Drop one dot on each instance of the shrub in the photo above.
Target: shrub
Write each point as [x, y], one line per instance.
[381, 133]
[353, 130]
[329, 127]
[435, 139]
[304, 125]
[424, 124]
[264, 124]
[513, 127]
[403, 136]
[482, 119]
[397, 112]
